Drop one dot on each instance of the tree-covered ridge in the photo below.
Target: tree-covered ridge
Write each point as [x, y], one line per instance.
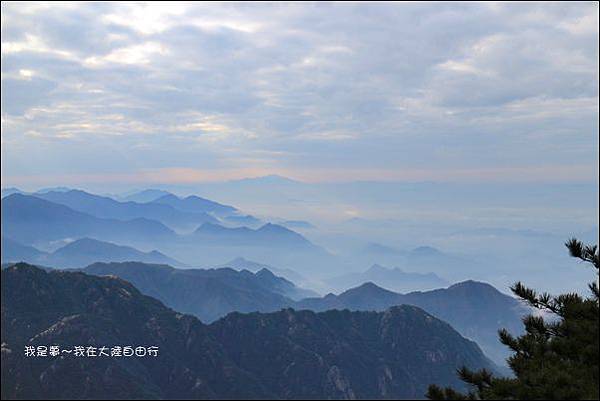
[556, 358]
[281, 355]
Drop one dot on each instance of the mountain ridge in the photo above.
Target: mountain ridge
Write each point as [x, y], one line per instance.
[394, 279]
[358, 355]
[195, 204]
[107, 207]
[268, 234]
[208, 294]
[476, 309]
[27, 218]
[80, 253]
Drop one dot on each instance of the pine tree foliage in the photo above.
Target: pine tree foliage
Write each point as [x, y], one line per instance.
[556, 358]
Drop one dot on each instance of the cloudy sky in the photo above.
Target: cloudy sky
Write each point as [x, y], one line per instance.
[175, 93]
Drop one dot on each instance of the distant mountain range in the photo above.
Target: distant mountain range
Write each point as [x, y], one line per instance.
[33, 221]
[85, 251]
[29, 219]
[422, 259]
[183, 214]
[228, 215]
[13, 251]
[393, 279]
[195, 204]
[206, 293]
[10, 191]
[241, 263]
[105, 207]
[80, 253]
[144, 196]
[271, 179]
[448, 265]
[270, 243]
[477, 310]
[288, 354]
[268, 235]
[428, 255]
[242, 220]
[53, 189]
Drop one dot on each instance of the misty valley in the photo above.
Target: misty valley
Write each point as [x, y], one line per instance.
[239, 310]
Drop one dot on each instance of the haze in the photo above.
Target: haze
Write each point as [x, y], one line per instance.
[472, 128]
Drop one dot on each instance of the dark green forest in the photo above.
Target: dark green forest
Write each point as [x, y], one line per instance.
[556, 358]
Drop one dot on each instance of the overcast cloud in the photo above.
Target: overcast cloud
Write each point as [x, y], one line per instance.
[117, 93]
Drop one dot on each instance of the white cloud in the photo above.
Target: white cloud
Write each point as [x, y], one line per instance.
[34, 44]
[584, 25]
[347, 86]
[147, 19]
[137, 54]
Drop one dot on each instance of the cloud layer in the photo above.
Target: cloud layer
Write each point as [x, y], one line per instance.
[117, 92]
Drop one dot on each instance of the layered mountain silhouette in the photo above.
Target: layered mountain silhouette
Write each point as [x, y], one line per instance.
[33, 221]
[86, 251]
[208, 294]
[423, 259]
[28, 219]
[105, 207]
[243, 220]
[271, 244]
[428, 258]
[394, 279]
[268, 235]
[477, 310]
[13, 251]
[195, 204]
[241, 263]
[282, 286]
[146, 195]
[10, 191]
[287, 354]
[80, 253]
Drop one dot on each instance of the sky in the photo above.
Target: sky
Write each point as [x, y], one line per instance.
[134, 93]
